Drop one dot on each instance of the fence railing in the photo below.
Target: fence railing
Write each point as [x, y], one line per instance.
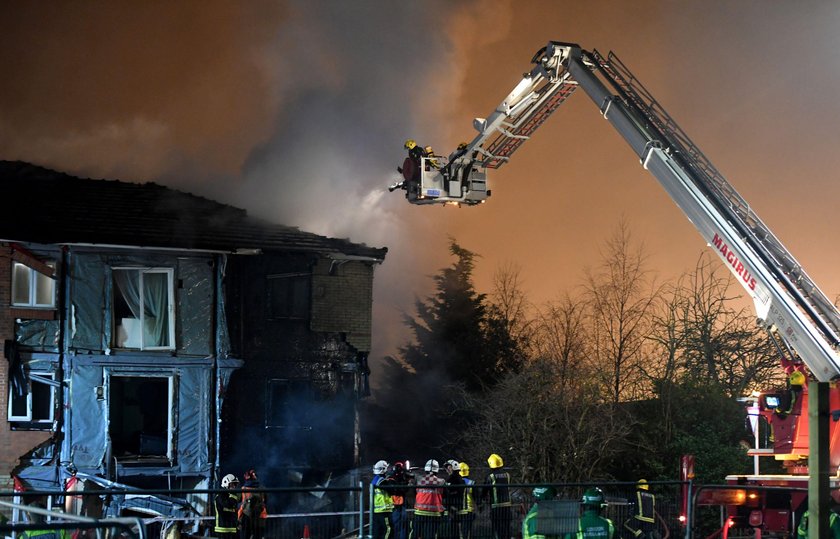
[312, 513]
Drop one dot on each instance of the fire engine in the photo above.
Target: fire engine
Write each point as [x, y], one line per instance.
[798, 317]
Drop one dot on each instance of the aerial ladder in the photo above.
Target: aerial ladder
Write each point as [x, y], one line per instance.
[798, 317]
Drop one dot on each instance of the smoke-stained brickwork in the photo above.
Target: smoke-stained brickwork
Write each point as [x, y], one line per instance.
[342, 298]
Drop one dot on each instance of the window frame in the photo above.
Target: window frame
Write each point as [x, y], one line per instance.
[170, 298]
[291, 392]
[28, 418]
[289, 278]
[33, 286]
[172, 405]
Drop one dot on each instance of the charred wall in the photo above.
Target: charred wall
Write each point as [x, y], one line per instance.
[301, 323]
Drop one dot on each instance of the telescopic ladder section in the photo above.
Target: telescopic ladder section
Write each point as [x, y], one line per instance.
[786, 270]
[517, 130]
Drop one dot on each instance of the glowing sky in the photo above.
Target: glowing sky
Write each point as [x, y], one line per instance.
[297, 111]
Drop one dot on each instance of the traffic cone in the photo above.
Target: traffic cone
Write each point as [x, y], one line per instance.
[305, 534]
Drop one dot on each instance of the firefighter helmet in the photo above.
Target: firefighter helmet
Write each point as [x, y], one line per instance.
[410, 144]
[593, 497]
[380, 467]
[642, 484]
[797, 378]
[229, 480]
[544, 493]
[454, 464]
[463, 469]
[432, 466]
[495, 461]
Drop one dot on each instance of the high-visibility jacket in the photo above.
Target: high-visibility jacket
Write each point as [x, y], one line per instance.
[467, 503]
[499, 490]
[43, 534]
[227, 505]
[263, 512]
[593, 526]
[833, 526]
[529, 525]
[429, 498]
[382, 502]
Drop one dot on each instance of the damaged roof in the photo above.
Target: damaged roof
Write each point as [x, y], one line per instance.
[45, 206]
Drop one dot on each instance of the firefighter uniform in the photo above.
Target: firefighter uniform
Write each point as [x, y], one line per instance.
[383, 505]
[498, 493]
[428, 504]
[227, 506]
[642, 522]
[252, 511]
[466, 504]
[399, 517]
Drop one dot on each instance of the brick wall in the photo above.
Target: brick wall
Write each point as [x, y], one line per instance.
[342, 302]
[12, 443]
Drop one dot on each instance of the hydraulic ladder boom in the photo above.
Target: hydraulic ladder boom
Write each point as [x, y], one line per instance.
[787, 302]
[785, 298]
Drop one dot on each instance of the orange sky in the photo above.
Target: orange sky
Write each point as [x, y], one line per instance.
[297, 111]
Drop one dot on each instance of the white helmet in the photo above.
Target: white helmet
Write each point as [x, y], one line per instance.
[229, 480]
[454, 463]
[380, 467]
[432, 466]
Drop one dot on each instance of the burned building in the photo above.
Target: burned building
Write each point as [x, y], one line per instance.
[154, 338]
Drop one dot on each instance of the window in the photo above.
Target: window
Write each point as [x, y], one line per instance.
[37, 405]
[288, 295]
[287, 403]
[31, 288]
[140, 424]
[144, 308]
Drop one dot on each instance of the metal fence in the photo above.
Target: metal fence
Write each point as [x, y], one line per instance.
[298, 513]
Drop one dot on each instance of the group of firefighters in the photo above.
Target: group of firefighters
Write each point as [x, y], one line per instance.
[445, 503]
[240, 512]
[446, 500]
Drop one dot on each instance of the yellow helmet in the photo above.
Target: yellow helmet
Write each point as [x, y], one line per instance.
[495, 461]
[797, 378]
[410, 144]
[464, 470]
[428, 150]
[642, 484]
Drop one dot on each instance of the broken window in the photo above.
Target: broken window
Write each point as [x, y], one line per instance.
[287, 403]
[37, 404]
[31, 288]
[144, 308]
[140, 417]
[288, 295]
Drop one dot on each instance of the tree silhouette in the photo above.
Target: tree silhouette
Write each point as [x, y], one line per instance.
[451, 329]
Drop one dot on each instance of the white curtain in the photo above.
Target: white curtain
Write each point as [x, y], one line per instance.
[155, 289]
[156, 309]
